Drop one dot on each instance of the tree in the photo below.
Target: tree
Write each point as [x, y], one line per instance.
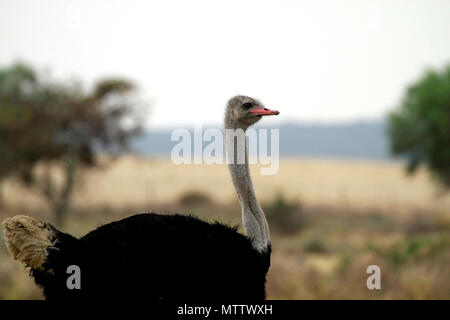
[419, 129]
[17, 92]
[53, 130]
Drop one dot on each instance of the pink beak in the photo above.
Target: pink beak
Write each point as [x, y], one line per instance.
[264, 111]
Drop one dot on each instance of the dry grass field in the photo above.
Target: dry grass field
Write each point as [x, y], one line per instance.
[133, 181]
[330, 219]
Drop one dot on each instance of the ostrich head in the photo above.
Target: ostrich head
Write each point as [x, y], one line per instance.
[243, 111]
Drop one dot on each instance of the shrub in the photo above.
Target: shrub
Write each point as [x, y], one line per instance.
[314, 245]
[419, 248]
[194, 198]
[284, 216]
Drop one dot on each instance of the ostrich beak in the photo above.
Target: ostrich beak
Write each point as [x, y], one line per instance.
[258, 110]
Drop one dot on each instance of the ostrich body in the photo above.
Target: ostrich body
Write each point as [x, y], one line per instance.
[157, 257]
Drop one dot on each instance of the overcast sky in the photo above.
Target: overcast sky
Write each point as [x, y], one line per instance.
[312, 60]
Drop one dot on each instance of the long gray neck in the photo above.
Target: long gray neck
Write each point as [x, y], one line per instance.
[253, 218]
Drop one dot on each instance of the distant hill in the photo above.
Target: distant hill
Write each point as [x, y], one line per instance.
[364, 140]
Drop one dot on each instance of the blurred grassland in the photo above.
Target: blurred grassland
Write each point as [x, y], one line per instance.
[329, 219]
[133, 181]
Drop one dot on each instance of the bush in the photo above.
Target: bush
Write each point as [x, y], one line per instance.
[314, 245]
[194, 198]
[419, 248]
[284, 216]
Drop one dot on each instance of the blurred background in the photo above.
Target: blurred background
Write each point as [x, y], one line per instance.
[90, 92]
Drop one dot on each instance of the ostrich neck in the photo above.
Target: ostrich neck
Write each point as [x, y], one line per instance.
[253, 218]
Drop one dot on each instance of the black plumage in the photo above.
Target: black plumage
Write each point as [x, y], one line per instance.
[157, 257]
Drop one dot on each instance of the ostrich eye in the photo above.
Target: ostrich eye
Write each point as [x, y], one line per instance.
[247, 105]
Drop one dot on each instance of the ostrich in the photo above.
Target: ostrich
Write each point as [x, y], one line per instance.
[157, 257]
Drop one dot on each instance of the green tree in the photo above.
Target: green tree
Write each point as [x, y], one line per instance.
[50, 131]
[18, 92]
[419, 129]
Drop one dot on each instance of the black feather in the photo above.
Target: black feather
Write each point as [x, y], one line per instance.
[157, 257]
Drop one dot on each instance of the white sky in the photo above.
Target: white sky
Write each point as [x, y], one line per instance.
[312, 60]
